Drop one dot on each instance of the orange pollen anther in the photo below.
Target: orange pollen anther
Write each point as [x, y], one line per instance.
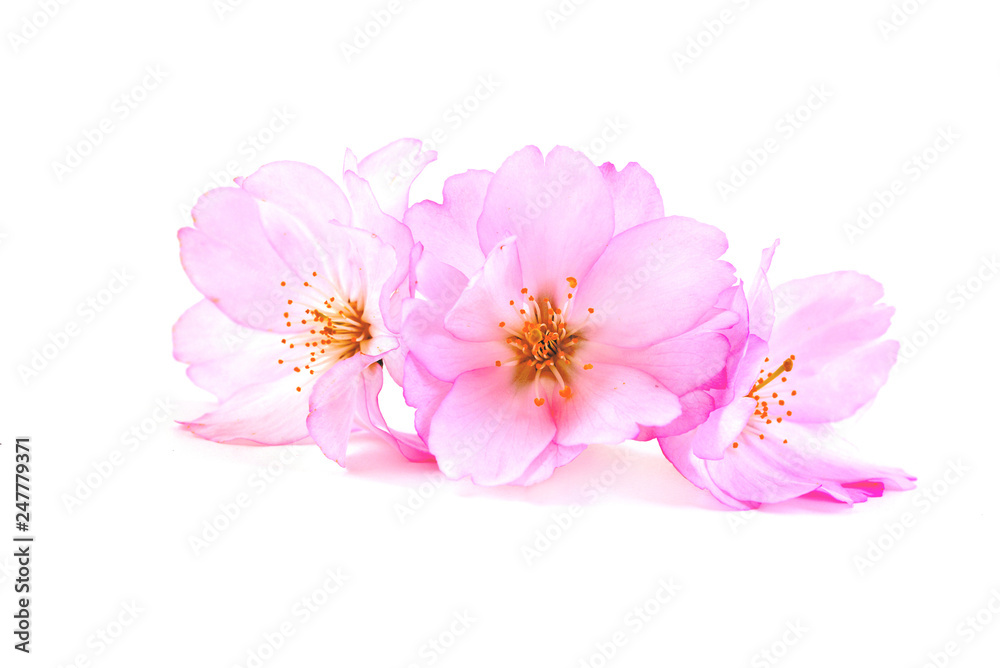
[543, 344]
[338, 335]
[762, 408]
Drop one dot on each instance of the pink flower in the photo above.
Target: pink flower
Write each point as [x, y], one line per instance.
[302, 302]
[795, 369]
[558, 308]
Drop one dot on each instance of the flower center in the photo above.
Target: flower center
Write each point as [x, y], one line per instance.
[338, 330]
[773, 405]
[542, 342]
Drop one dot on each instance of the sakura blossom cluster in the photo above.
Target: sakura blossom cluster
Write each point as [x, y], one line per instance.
[536, 309]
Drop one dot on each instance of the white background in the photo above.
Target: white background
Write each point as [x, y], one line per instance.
[858, 595]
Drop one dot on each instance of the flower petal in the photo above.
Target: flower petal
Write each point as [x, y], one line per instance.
[485, 303]
[609, 402]
[301, 190]
[442, 354]
[769, 470]
[545, 464]
[832, 323]
[488, 428]
[423, 392]
[334, 404]
[667, 267]
[410, 446]
[448, 230]
[266, 413]
[636, 198]
[229, 259]
[684, 363]
[391, 170]
[225, 357]
[559, 208]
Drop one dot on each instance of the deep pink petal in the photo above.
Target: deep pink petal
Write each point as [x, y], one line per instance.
[636, 198]
[489, 429]
[667, 267]
[559, 208]
[448, 230]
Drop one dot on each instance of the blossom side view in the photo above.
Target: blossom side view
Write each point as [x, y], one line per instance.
[794, 373]
[303, 284]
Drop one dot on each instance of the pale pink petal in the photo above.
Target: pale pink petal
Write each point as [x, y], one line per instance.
[722, 429]
[391, 170]
[228, 258]
[334, 404]
[485, 303]
[695, 408]
[608, 404]
[636, 198]
[448, 230]
[832, 324]
[409, 445]
[667, 267]
[489, 429]
[445, 356]
[225, 357]
[678, 449]
[423, 392]
[440, 283]
[303, 191]
[369, 216]
[266, 413]
[760, 300]
[350, 162]
[684, 363]
[560, 210]
[769, 470]
[545, 464]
